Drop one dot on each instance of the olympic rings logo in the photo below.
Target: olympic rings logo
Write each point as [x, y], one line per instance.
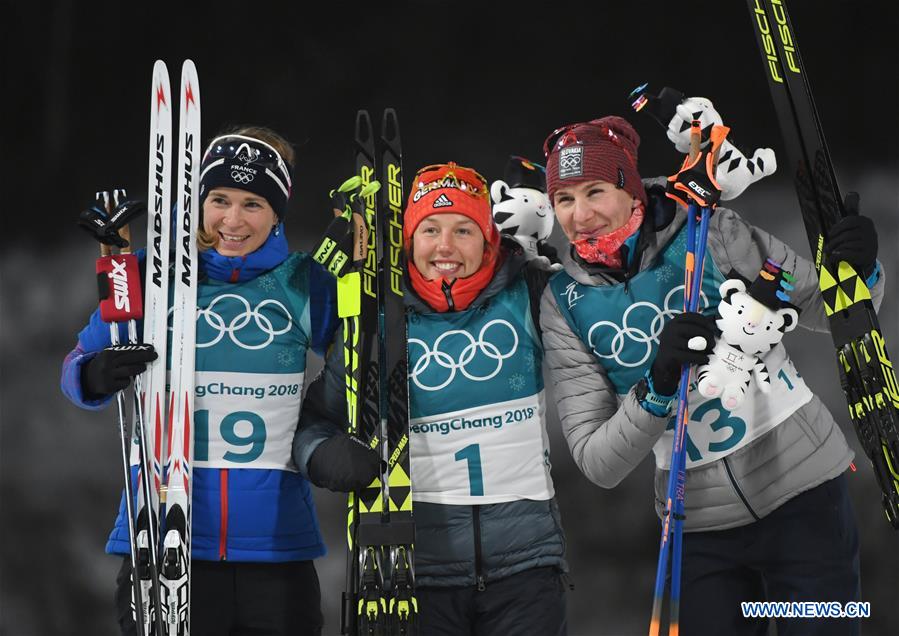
[626, 331]
[241, 320]
[570, 161]
[242, 177]
[466, 356]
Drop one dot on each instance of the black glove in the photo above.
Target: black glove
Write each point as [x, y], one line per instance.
[335, 250]
[345, 242]
[547, 250]
[674, 352]
[111, 370]
[853, 239]
[343, 463]
[104, 227]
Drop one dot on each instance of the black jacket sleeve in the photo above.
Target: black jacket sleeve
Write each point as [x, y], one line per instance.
[323, 414]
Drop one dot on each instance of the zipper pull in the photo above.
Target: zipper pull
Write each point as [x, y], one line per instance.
[447, 289]
[482, 585]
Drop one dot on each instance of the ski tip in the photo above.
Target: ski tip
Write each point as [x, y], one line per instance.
[363, 126]
[390, 125]
[190, 87]
[160, 91]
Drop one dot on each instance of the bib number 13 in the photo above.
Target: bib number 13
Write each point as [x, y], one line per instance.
[243, 432]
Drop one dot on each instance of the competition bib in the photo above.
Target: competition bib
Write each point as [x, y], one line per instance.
[714, 432]
[482, 455]
[246, 420]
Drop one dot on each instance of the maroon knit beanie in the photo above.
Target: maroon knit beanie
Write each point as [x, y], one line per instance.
[602, 149]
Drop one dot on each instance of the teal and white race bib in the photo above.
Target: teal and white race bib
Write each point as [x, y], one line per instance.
[482, 455]
[246, 420]
[714, 432]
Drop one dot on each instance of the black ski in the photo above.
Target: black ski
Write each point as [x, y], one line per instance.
[365, 605]
[866, 372]
[379, 597]
[396, 510]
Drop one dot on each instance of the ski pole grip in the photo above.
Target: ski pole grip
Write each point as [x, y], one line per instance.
[118, 282]
[125, 233]
[695, 139]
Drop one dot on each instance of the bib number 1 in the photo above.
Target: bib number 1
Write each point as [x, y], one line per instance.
[472, 454]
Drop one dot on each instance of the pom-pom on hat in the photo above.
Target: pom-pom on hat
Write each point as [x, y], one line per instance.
[448, 188]
[602, 149]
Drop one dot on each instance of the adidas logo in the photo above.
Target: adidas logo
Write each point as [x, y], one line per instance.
[442, 201]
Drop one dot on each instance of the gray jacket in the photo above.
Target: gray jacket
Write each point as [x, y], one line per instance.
[609, 436]
[455, 545]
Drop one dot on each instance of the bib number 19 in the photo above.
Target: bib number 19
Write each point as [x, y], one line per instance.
[240, 430]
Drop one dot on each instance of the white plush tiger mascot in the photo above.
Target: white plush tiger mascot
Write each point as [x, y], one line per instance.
[752, 321]
[736, 171]
[522, 211]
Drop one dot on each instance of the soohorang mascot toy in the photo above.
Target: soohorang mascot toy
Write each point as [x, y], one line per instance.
[736, 171]
[522, 211]
[752, 321]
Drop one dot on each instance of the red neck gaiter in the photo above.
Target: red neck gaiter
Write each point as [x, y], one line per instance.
[606, 249]
[457, 295]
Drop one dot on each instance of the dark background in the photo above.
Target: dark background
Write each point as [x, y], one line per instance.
[472, 83]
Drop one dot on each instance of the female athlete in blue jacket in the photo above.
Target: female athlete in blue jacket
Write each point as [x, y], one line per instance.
[260, 309]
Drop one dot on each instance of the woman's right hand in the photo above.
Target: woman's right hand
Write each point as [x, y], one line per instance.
[111, 370]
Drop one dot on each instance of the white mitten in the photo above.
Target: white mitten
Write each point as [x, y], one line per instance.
[543, 263]
[736, 172]
[692, 108]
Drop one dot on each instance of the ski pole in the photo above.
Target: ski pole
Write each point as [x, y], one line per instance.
[146, 519]
[122, 302]
[672, 524]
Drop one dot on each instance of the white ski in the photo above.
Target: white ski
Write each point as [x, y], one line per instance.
[156, 290]
[175, 574]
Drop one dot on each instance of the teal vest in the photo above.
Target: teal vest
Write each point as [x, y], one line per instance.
[622, 327]
[466, 359]
[477, 426]
[252, 339]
